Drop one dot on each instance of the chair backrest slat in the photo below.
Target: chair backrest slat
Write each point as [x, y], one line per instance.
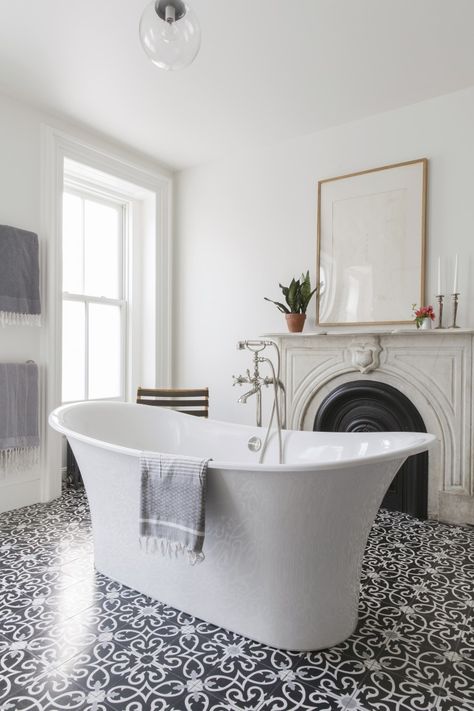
[177, 399]
[201, 402]
[172, 392]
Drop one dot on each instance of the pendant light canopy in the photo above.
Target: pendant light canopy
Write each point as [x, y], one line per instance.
[170, 34]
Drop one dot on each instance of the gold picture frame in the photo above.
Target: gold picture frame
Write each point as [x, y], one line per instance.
[371, 245]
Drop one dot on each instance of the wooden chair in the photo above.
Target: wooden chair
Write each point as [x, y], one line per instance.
[191, 401]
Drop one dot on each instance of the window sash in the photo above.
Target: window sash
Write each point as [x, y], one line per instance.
[122, 304]
[121, 207]
[87, 299]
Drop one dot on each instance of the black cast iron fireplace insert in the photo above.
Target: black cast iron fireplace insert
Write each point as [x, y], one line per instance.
[371, 406]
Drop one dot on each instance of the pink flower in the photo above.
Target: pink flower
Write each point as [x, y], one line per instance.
[422, 313]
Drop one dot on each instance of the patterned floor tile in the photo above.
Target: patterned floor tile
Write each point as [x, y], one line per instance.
[330, 673]
[231, 654]
[26, 682]
[242, 690]
[189, 626]
[448, 703]
[148, 678]
[447, 593]
[459, 682]
[51, 692]
[113, 594]
[32, 600]
[34, 615]
[131, 618]
[293, 695]
[383, 691]
[419, 650]
[53, 576]
[18, 666]
[70, 638]
[383, 595]
[49, 652]
[368, 639]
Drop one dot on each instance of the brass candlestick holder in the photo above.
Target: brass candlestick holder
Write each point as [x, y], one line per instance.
[440, 300]
[455, 310]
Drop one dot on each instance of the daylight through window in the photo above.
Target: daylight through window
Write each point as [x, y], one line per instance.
[94, 329]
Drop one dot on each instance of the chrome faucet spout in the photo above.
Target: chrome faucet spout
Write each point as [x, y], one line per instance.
[243, 398]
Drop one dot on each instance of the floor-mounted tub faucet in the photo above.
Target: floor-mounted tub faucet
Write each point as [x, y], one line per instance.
[257, 382]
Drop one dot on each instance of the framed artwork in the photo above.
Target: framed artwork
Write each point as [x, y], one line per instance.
[371, 245]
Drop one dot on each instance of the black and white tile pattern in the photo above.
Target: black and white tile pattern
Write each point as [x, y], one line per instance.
[71, 639]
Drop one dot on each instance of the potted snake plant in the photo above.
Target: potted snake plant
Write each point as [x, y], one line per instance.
[297, 296]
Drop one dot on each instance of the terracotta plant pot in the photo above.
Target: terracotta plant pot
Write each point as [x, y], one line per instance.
[295, 322]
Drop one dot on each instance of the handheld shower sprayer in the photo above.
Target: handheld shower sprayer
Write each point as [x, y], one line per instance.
[254, 346]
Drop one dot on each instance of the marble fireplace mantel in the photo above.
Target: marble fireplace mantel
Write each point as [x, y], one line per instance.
[434, 369]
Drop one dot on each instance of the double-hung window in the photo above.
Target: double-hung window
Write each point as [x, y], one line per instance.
[94, 305]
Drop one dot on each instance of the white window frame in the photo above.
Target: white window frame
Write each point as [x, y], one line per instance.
[56, 147]
[75, 187]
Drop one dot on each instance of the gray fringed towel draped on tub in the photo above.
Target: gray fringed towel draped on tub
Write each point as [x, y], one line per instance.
[19, 436]
[19, 278]
[173, 505]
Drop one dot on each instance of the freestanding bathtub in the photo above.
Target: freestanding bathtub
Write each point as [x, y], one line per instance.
[284, 543]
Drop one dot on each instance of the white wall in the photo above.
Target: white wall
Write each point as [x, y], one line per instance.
[245, 225]
[21, 205]
[20, 202]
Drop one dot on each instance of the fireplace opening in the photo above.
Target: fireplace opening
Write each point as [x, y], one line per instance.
[370, 406]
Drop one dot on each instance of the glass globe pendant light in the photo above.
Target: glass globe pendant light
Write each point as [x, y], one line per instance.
[170, 34]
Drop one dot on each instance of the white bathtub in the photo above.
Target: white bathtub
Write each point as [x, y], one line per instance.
[284, 543]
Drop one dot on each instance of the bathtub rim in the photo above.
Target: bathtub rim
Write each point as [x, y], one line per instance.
[426, 442]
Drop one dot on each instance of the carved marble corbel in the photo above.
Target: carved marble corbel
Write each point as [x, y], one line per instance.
[365, 354]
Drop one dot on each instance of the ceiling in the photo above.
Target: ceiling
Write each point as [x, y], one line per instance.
[267, 71]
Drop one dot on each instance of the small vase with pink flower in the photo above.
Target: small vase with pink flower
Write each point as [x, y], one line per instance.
[424, 317]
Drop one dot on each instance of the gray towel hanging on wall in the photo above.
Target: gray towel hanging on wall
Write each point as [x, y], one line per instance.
[19, 434]
[19, 277]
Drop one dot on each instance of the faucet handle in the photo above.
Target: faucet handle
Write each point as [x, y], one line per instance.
[238, 380]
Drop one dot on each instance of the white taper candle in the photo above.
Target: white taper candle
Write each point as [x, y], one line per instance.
[455, 285]
[439, 276]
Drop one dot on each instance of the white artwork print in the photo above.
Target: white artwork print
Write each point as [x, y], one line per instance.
[371, 246]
